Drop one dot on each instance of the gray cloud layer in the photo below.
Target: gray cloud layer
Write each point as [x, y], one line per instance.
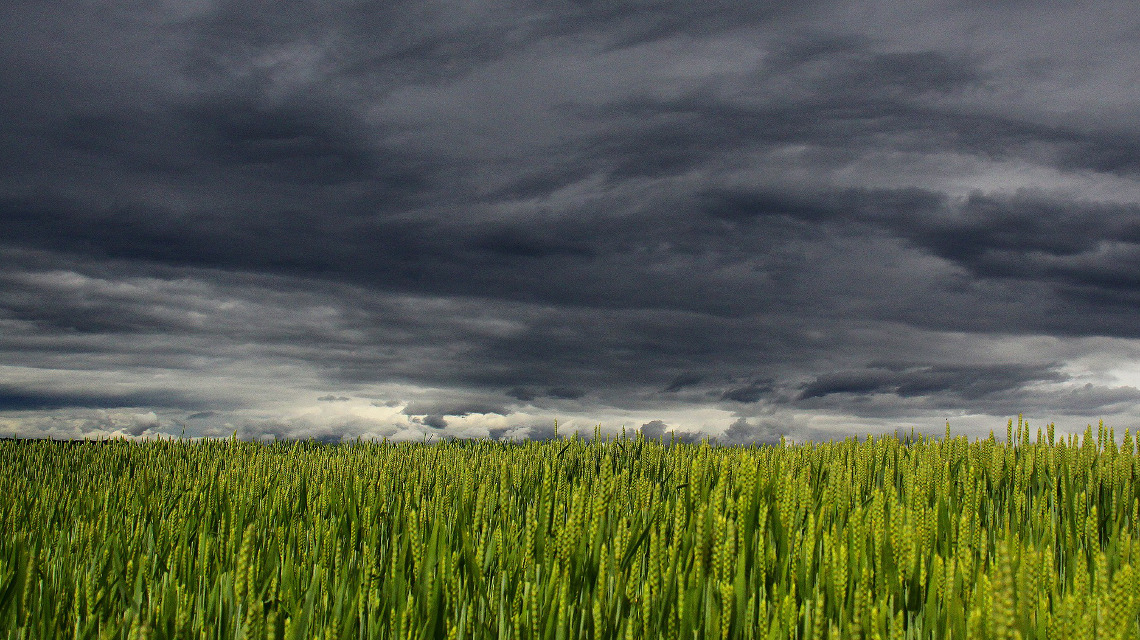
[736, 219]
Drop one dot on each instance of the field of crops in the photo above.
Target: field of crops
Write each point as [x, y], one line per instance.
[575, 538]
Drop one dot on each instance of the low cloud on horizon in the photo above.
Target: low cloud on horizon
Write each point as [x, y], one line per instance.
[739, 220]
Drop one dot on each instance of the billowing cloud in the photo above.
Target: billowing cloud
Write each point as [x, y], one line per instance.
[744, 432]
[653, 429]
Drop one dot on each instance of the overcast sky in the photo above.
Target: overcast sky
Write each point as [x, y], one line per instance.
[737, 219]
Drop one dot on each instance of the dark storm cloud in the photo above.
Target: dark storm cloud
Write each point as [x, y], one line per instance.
[561, 206]
[1087, 250]
[565, 393]
[435, 422]
[260, 184]
[24, 399]
[1038, 237]
[283, 151]
[751, 393]
[525, 395]
[526, 243]
[299, 143]
[557, 393]
[1090, 400]
[970, 382]
[843, 100]
[682, 381]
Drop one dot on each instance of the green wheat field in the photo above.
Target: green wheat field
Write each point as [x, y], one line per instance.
[887, 537]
